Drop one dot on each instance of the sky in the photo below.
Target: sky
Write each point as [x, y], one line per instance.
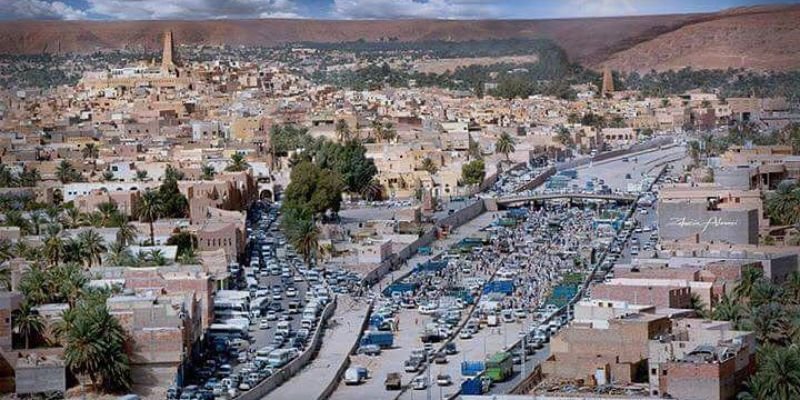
[354, 9]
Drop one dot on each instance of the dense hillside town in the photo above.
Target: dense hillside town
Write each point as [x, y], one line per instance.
[374, 220]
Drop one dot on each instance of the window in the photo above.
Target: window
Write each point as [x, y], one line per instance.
[653, 371]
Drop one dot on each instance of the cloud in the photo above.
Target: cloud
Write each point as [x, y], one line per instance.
[602, 8]
[192, 9]
[405, 9]
[38, 9]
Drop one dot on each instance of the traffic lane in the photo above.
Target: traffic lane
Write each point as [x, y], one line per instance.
[406, 339]
[613, 172]
[531, 362]
[486, 342]
[264, 336]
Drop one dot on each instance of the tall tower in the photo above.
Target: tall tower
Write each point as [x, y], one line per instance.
[608, 82]
[166, 57]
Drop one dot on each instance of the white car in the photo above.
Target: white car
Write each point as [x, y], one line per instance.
[277, 296]
[291, 292]
[264, 324]
[272, 316]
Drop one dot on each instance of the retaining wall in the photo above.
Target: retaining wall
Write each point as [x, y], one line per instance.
[284, 374]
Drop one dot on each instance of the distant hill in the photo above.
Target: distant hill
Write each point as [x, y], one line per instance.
[644, 42]
[760, 38]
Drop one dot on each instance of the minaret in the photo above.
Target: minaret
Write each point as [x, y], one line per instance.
[166, 56]
[608, 82]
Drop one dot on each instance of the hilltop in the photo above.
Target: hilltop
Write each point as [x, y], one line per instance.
[760, 38]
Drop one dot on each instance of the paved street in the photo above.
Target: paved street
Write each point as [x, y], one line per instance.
[337, 341]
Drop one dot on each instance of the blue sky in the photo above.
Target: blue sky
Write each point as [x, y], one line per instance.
[354, 9]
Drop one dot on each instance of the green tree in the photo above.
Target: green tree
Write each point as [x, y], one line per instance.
[207, 172]
[564, 138]
[149, 210]
[94, 346]
[90, 152]
[313, 190]
[15, 218]
[94, 246]
[66, 173]
[107, 211]
[505, 145]
[473, 172]
[783, 205]
[778, 375]
[185, 241]
[343, 133]
[237, 163]
[141, 175]
[119, 255]
[34, 285]
[127, 234]
[429, 165]
[173, 174]
[27, 323]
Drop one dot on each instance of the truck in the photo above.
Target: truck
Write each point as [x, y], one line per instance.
[499, 366]
[393, 381]
[491, 320]
[472, 386]
[472, 368]
[355, 375]
[383, 339]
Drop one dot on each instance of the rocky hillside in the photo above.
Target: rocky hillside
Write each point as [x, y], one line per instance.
[765, 38]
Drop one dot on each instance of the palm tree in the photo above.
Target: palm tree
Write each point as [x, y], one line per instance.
[428, 165]
[767, 323]
[783, 205]
[126, 234]
[27, 323]
[149, 209]
[69, 282]
[34, 285]
[94, 219]
[94, 246]
[5, 279]
[73, 217]
[15, 218]
[698, 305]
[388, 132]
[505, 145]
[372, 191]
[377, 130]
[141, 175]
[53, 247]
[107, 211]
[66, 173]
[94, 346]
[208, 172]
[189, 256]
[6, 250]
[238, 163]
[157, 258]
[306, 239]
[342, 130]
[728, 310]
[748, 280]
[90, 151]
[119, 255]
[778, 376]
[792, 287]
[37, 219]
[764, 292]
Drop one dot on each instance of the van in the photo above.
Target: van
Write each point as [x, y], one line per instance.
[284, 328]
[279, 358]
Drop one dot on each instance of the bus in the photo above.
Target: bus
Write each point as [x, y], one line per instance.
[227, 331]
[499, 367]
[231, 309]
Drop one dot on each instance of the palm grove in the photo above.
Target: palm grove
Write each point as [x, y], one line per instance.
[68, 244]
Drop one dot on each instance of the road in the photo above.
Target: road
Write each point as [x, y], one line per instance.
[613, 171]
